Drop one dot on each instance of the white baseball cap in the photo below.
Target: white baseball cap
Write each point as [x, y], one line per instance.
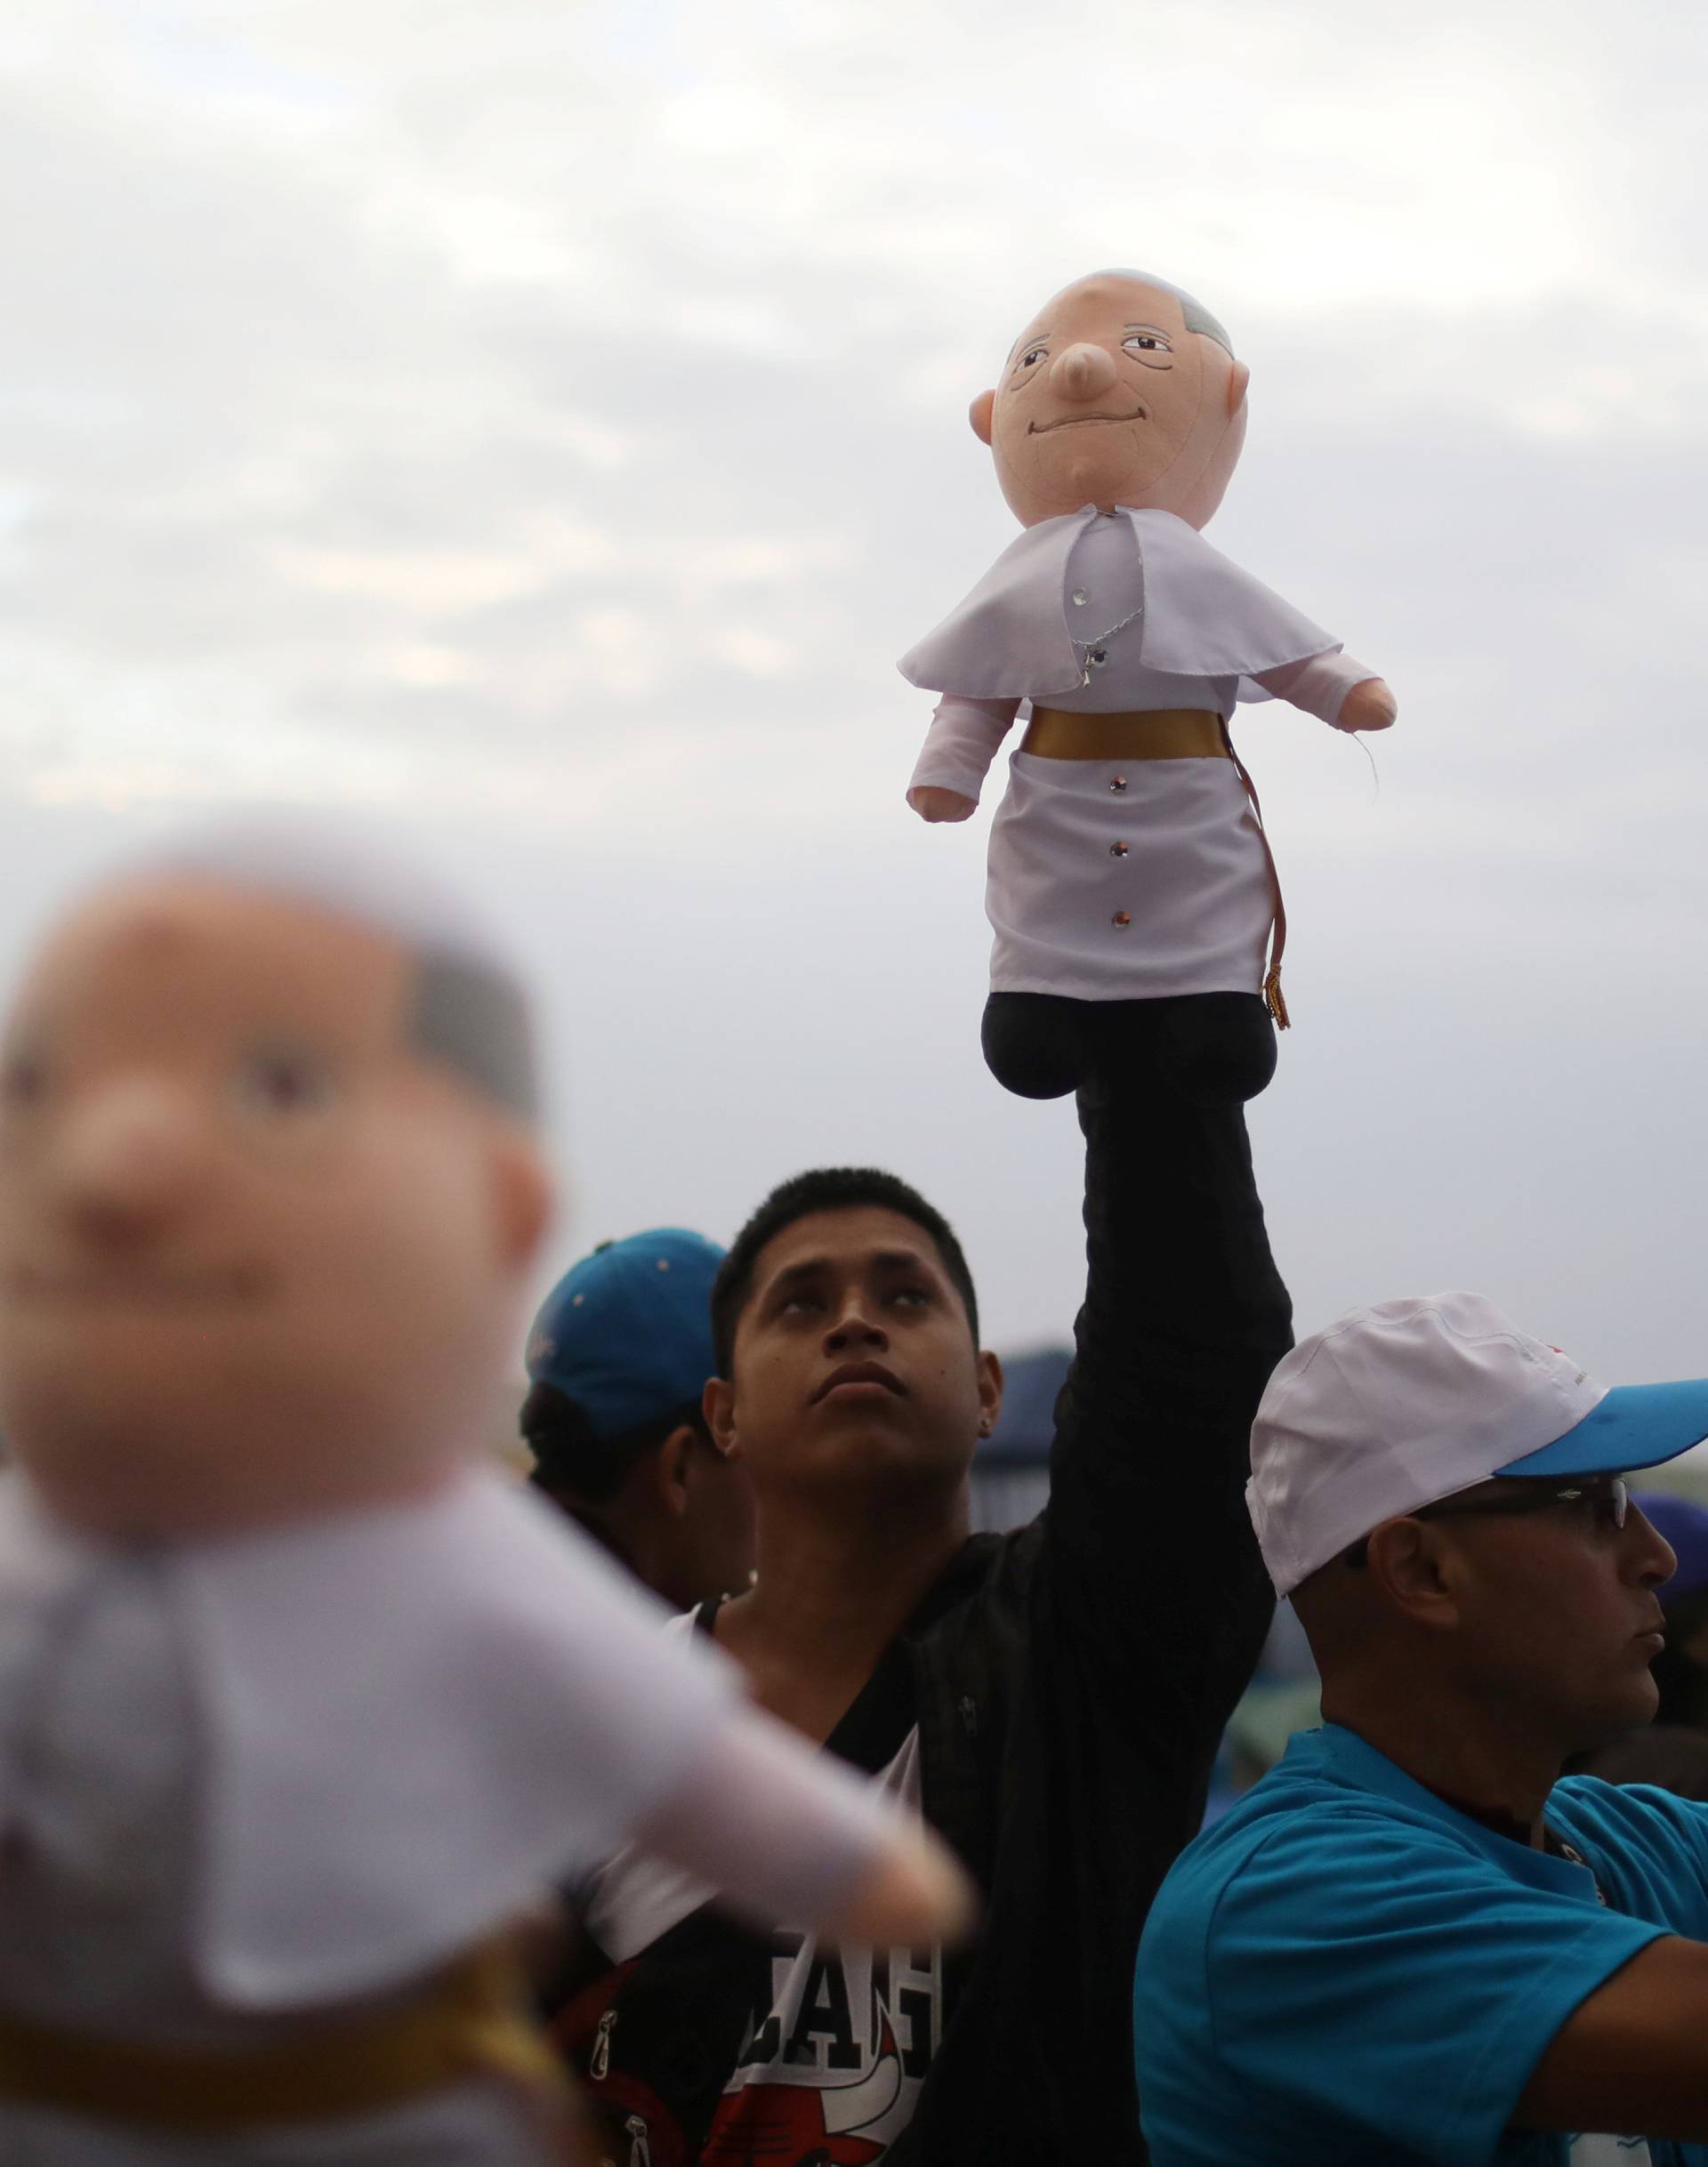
[1395, 1407]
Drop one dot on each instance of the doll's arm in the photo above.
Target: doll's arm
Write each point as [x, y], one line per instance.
[1336, 686]
[786, 1834]
[959, 747]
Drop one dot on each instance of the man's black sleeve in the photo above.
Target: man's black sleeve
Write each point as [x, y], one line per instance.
[1145, 1604]
[1150, 1602]
[1152, 1593]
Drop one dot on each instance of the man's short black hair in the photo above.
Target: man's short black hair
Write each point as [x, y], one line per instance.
[826, 1189]
[571, 1458]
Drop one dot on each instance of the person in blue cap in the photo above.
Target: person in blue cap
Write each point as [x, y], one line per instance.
[617, 1359]
[1412, 1941]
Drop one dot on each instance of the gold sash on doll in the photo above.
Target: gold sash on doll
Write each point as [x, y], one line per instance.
[1157, 733]
[469, 2021]
[1164, 733]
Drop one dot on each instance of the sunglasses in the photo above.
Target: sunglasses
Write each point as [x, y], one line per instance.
[1607, 1498]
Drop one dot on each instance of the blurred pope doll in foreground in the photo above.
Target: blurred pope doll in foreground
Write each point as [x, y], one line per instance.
[299, 1703]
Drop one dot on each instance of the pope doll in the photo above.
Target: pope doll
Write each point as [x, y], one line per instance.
[1128, 861]
[300, 1701]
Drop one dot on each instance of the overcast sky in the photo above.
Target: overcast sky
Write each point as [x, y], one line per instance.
[544, 424]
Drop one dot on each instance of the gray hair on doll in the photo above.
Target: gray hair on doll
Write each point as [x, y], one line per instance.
[1198, 316]
[469, 1008]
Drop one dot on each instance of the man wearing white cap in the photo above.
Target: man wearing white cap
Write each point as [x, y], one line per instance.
[1411, 1941]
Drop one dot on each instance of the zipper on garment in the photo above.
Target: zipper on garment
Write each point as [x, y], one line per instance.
[599, 2061]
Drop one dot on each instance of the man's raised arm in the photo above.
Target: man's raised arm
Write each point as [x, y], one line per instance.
[1155, 1585]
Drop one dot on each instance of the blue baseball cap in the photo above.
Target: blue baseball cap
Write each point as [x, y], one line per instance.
[1629, 1425]
[626, 1334]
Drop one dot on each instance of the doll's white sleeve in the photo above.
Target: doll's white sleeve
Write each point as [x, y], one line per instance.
[784, 1832]
[960, 743]
[410, 1719]
[1319, 684]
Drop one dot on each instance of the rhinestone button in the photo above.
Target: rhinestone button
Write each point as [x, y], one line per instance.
[1117, 784]
[1117, 849]
[1121, 917]
[1080, 597]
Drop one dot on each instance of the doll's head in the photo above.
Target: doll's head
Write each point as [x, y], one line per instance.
[269, 1191]
[1121, 391]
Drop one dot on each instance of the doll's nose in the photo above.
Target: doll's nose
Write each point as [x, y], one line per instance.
[1083, 372]
[126, 1160]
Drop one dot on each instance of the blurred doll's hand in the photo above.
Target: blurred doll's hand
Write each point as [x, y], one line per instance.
[931, 804]
[1369, 705]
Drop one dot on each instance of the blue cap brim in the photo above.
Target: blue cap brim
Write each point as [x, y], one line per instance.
[1636, 1425]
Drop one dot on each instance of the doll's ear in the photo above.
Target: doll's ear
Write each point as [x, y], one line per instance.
[1238, 377]
[978, 414]
[522, 1197]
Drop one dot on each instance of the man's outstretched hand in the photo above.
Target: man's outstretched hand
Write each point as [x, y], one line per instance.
[1369, 705]
[931, 804]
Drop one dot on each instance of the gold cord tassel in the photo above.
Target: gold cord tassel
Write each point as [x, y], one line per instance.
[1274, 999]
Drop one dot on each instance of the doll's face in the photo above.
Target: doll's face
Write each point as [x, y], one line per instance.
[1108, 399]
[259, 1255]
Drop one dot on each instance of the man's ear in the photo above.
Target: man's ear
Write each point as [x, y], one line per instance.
[1238, 377]
[1415, 1570]
[990, 1392]
[523, 1195]
[980, 413]
[672, 1469]
[717, 1405]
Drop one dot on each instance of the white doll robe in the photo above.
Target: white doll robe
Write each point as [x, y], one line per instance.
[283, 1771]
[1115, 880]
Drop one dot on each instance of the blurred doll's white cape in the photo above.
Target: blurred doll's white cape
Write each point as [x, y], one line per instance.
[403, 1722]
[1194, 612]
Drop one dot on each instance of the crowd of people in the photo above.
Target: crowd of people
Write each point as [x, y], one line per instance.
[1412, 1941]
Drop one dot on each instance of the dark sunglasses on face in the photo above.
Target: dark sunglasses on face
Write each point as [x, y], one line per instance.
[1608, 1498]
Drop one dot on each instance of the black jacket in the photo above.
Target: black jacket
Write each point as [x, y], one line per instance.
[1070, 1680]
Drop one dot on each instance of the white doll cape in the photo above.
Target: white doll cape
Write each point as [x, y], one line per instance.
[1193, 611]
[407, 1721]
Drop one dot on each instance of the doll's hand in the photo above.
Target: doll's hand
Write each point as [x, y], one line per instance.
[932, 803]
[1369, 705]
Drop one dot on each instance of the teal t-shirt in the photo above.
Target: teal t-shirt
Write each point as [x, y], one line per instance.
[1346, 1973]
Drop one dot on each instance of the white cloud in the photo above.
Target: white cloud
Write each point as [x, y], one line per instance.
[445, 583]
[428, 667]
[756, 653]
[551, 421]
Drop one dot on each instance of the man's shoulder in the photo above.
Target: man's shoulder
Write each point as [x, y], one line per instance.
[1652, 1845]
[989, 1570]
[1590, 1800]
[1298, 1832]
